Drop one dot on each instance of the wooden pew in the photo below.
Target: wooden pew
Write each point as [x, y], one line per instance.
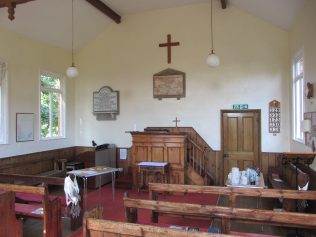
[289, 175]
[94, 226]
[230, 192]
[224, 214]
[312, 186]
[8, 217]
[51, 208]
[75, 222]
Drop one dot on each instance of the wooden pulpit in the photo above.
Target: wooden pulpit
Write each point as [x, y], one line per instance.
[159, 146]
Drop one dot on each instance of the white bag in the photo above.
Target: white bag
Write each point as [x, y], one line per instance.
[71, 189]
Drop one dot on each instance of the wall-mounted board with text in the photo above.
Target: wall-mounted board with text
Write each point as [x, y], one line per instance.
[106, 103]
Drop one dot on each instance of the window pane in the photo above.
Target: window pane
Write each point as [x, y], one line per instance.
[45, 114]
[56, 114]
[50, 82]
[298, 98]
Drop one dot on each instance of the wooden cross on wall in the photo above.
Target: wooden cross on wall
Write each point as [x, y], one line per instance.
[176, 121]
[169, 44]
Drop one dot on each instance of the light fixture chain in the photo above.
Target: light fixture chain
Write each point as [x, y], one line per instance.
[212, 40]
[72, 33]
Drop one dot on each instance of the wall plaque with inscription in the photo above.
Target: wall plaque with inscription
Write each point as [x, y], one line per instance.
[169, 83]
[106, 101]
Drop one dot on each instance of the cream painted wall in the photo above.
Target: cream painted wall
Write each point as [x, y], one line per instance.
[303, 36]
[25, 58]
[254, 70]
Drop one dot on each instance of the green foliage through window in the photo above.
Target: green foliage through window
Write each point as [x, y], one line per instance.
[51, 106]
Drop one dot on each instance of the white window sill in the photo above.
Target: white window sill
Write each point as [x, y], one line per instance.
[51, 138]
[299, 140]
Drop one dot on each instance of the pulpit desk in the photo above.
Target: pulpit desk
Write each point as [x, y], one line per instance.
[161, 168]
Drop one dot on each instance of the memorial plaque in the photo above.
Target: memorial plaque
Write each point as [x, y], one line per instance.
[106, 101]
[169, 83]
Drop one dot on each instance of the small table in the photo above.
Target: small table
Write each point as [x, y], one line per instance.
[95, 171]
[150, 168]
[261, 184]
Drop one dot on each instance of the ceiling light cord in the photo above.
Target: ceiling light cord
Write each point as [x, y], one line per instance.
[72, 34]
[72, 71]
[212, 59]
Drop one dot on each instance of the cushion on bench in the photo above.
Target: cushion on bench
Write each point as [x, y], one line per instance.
[27, 210]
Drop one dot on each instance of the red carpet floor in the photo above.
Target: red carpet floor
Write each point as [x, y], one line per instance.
[114, 210]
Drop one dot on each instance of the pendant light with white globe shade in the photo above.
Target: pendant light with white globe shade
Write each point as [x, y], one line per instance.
[72, 71]
[212, 59]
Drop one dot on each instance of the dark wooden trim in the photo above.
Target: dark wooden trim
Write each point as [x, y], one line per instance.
[224, 4]
[3, 3]
[106, 10]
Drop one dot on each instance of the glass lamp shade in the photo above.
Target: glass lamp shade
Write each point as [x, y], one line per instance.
[72, 72]
[306, 125]
[212, 60]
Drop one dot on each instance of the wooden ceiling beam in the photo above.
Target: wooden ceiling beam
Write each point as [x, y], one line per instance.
[224, 4]
[106, 10]
[4, 3]
[11, 4]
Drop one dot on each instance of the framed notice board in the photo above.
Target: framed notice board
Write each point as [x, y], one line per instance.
[24, 127]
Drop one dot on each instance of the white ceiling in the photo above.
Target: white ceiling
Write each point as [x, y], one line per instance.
[50, 20]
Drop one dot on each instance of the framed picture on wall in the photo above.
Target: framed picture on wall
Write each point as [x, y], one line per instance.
[24, 127]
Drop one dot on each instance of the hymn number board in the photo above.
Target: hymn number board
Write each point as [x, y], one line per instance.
[274, 117]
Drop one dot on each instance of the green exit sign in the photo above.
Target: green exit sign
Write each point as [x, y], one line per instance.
[240, 106]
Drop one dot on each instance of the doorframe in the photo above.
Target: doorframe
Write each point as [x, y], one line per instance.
[222, 135]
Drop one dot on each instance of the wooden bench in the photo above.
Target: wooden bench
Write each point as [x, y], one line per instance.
[312, 185]
[230, 192]
[224, 214]
[288, 176]
[75, 222]
[95, 226]
[51, 209]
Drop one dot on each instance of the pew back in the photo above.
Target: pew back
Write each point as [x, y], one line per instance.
[94, 227]
[230, 192]
[225, 214]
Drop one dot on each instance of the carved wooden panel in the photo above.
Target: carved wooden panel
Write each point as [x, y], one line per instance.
[157, 154]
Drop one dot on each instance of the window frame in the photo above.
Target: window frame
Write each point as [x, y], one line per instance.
[298, 134]
[62, 92]
[4, 106]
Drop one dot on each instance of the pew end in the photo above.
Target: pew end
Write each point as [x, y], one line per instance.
[10, 226]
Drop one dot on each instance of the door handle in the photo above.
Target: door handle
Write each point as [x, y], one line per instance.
[226, 155]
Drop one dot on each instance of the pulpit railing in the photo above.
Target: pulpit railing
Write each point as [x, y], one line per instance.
[200, 156]
[197, 158]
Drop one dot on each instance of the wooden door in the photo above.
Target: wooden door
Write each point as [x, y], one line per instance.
[240, 139]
